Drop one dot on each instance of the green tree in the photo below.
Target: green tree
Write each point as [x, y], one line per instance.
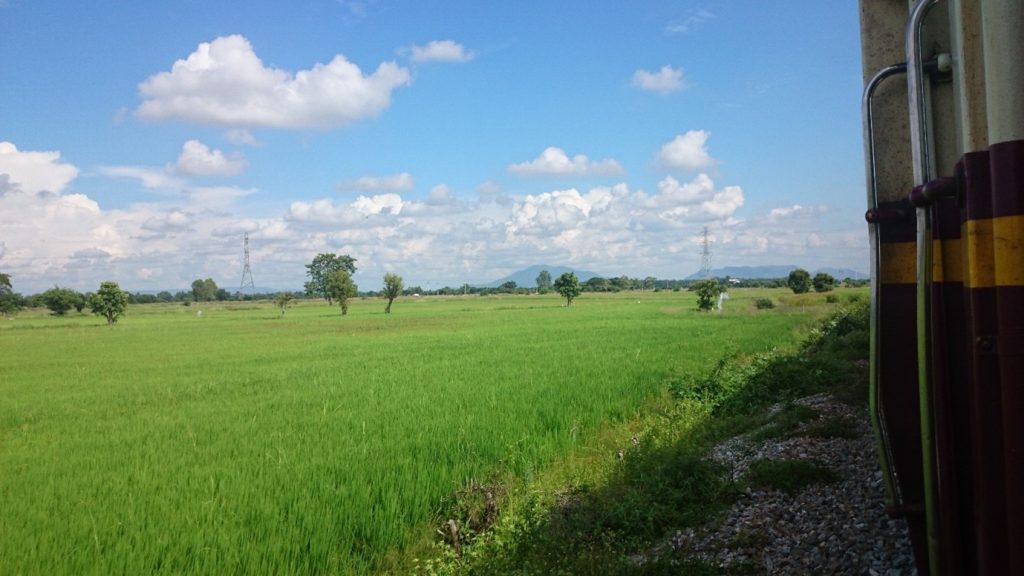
[509, 287]
[10, 302]
[392, 288]
[799, 281]
[283, 300]
[322, 266]
[649, 283]
[544, 282]
[109, 301]
[707, 291]
[60, 300]
[568, 286]
[340, 287]
[204, 290]
[823, 282]
[164, 296]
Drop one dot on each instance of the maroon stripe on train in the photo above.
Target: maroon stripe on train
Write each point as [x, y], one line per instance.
[1006, 161]
[901, 227]
[986, 430]
[977, 192]
[946, 219]
[898, 400]
[952, 421]
[1010, 345]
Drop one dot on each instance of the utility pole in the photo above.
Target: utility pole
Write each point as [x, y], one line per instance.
[705, 256]
[246, 269]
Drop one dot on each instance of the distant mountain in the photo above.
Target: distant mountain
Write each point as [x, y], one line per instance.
[527, 277]
[776, 271]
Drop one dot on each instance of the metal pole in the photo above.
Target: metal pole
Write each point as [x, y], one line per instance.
[920, 144]
[893, 495]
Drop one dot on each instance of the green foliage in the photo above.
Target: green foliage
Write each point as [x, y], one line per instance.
[204, 290]
[823, 282]
[340, 288]
[345, 438]
[707, 291]
[10, 302]
[109, 301]
[764, 303]
[320, 269]
[544, 282]
[799, 281]
[61, 300]
[392, 289]
[789, 476]
[283, 300]
[785, 422]
[568, 286]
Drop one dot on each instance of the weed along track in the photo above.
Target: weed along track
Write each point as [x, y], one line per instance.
[242, 442]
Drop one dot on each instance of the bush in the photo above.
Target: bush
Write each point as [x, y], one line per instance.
[799, 281]
[707, 291]
[831, 298]
[764, 304]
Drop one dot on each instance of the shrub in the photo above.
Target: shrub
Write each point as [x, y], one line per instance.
[764, 303]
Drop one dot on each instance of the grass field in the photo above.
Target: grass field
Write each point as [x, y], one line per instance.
[242, 442]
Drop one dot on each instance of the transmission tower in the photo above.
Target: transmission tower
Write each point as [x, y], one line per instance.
[705, 256]
[247, 270]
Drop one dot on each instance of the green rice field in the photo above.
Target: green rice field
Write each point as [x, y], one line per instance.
[239, 441]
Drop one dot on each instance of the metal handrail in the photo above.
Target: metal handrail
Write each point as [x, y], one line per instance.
[920, 144]
[893, 494]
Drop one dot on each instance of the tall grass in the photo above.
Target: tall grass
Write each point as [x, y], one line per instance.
[241, 442]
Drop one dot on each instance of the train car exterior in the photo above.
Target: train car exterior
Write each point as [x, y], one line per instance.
[943, 112]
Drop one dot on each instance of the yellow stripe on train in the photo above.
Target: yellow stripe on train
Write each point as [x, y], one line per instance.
[991, 253]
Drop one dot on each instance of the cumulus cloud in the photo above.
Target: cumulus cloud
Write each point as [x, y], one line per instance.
[440, 51]
[33, 172]
[152, 178]
[402, 182]
[554, 161]
[664, 81]
[443, 239]
[687, 151]
[197, 159]
[225, 83]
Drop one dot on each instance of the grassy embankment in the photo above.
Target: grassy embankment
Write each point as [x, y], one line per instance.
[239, 441]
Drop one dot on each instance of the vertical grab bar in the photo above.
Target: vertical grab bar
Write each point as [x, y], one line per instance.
[920, 144]
[893, 495]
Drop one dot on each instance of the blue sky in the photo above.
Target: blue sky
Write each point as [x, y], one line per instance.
[449, 142]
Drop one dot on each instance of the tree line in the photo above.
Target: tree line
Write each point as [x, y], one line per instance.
[330, 278]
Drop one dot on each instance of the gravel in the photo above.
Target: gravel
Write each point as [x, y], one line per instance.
[834, 528]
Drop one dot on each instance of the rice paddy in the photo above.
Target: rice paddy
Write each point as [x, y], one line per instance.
[240, 441]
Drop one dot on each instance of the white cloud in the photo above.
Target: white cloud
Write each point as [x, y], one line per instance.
[441, 51]
[554, 161]
[402, 182]
[152, 178]
[442, 239]
[225, 83]
[694, 19]
[197, 159]
[34, 172]
[687, 151]
[664, 81]
[440, 195]
[242, 137]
